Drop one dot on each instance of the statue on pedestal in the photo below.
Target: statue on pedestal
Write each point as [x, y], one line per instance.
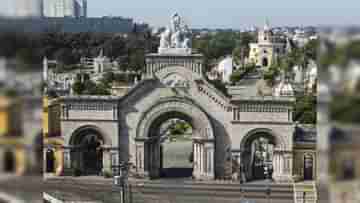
[177, 38]
[175, 22]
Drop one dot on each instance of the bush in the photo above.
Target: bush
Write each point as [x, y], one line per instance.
[76, 172]
[107, 174]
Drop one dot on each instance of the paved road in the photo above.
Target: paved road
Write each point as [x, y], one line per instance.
[168, 191]
[160, 191]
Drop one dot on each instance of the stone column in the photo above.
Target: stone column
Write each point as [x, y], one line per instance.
[106, 159]
[210, 160]
[282, 163]
[276, 165]
[201, 161]
[67, 159]
[60, 161]
[196, 160]
[140, 160]
[44, 160]
[156, 159]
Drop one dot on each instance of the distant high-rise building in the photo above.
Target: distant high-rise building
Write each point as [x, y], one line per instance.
[28, 8]
[81, 8]
[65, 8]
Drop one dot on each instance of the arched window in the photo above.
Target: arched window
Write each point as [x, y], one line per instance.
[50, 161]
[9, 162]
[348, 169]
[265, 62]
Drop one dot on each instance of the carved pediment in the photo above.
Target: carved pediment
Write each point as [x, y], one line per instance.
[175, 80]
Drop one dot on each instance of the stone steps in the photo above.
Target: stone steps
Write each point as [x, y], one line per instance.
[305, 192]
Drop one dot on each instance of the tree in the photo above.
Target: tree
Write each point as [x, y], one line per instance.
[345, 108]
[65, 56]
[239, 74]
[78, 87]
[305, 109]
[271, 73]
[242, 48]
[137, 60]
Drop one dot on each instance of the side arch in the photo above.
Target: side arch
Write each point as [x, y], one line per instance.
[86, 155]
[279, 140]
[263, 168]
[78, 131]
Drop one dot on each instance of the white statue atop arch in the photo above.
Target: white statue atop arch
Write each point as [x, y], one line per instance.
[177, 38]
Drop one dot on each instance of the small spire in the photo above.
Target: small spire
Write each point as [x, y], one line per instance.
[267, 25]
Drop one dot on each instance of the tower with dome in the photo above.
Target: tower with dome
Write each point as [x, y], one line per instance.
[267, 48]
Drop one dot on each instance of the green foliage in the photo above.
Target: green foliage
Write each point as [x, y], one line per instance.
[339, 54]
[88, 87]
[65, 56]
[345, 109]
[76, 172]
[220, 44]
[107, 79]
[242, 48]
[180, 128]
[219, 85]
[107, 174]
[305, 109]
[29, 49]
[271, 73]
[237, 75]
[137, 60]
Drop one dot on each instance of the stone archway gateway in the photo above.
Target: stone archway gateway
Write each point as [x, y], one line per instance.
[86, 153]
[148, 148]
[173, 86]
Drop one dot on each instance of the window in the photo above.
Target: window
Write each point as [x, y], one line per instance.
[265, 62]
[348, 169]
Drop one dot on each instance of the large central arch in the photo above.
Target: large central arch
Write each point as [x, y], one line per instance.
[147, 142]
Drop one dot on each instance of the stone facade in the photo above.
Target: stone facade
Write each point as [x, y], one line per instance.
[267, 49]
[101, 132]
[174, 87]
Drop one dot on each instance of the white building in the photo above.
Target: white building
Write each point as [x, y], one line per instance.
[225, 69]
[300, 37]
[65, 8]
[28, 8]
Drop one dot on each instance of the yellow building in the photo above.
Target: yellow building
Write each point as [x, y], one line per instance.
[53, 143]
[12, 142]
[267, 48]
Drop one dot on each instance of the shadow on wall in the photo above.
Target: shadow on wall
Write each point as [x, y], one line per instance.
[223, 160]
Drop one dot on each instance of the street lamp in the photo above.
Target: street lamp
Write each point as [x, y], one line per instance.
[122, 180]
[268, 189]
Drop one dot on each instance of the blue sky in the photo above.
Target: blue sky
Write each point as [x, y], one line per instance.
[234, 13]
[229, 13]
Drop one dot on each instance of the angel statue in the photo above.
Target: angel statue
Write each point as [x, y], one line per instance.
[165, 39]
[175, 22]
[176, 40]
[187, 43]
